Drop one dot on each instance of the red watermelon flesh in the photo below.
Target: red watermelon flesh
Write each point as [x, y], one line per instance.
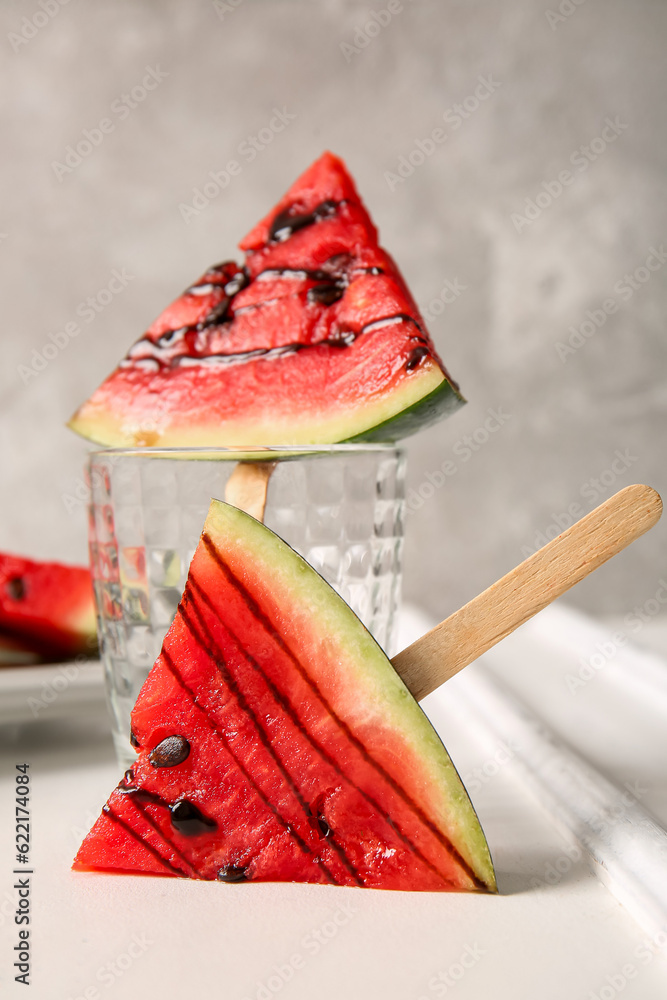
[316, 339]
[276, 742]
[49, 608]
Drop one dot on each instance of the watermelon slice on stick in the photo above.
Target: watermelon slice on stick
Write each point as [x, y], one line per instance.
[315, 339]
[276, 742]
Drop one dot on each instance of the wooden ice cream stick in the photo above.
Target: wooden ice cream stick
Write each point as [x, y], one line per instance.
[247, 487]
[528, 588]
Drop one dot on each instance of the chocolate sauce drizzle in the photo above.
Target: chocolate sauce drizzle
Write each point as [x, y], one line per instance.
[339, 337]
[232, 873]
[182, 347]
[185, 816]
[288, 222]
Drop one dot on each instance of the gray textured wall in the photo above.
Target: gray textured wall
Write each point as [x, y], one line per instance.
[460, 217]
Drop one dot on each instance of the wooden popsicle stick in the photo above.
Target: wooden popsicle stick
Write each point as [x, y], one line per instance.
[247, 487]
[527, 589]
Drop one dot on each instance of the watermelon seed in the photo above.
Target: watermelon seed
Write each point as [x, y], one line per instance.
[230, 873]
[171, 751]
[16, 588]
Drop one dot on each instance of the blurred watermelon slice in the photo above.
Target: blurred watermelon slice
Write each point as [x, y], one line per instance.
[46, 609]
[276, 742]
[316, 339]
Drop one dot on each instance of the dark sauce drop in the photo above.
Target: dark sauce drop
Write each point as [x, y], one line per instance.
[230, 873]
[218, 314]
[171, 337]
[171, 751]
[340, 337]
[235, 284]
[327, 293]
[16, 588]
[128, 777]
[287, 222]
[323, 825]
[415, 357]
[133, 740]
[189, 820]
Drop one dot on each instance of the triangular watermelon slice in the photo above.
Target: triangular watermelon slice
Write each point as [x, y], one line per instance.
[316, 339]
[276, 742]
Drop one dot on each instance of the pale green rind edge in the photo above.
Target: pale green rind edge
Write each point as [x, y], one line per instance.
[442, 401]
[376, 673]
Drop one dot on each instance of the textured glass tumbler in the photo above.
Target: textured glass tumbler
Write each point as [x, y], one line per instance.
[340, 506]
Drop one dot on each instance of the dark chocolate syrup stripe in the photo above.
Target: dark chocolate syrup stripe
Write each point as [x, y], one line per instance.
[166, 360]
[268, 626]
[287, 706]
[288, 222]
[115, 818]
[209, 645]
[173, 669]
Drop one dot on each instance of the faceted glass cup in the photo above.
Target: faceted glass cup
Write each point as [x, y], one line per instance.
[340, 506]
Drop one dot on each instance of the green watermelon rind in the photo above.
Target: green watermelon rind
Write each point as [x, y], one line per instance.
[441, 402]
[448, 803]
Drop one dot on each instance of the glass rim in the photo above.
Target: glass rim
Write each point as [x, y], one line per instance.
[250, 452]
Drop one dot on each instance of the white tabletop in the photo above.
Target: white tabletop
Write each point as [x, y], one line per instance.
[553, 933]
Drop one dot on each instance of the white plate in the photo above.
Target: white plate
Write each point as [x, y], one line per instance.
[49, 691]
